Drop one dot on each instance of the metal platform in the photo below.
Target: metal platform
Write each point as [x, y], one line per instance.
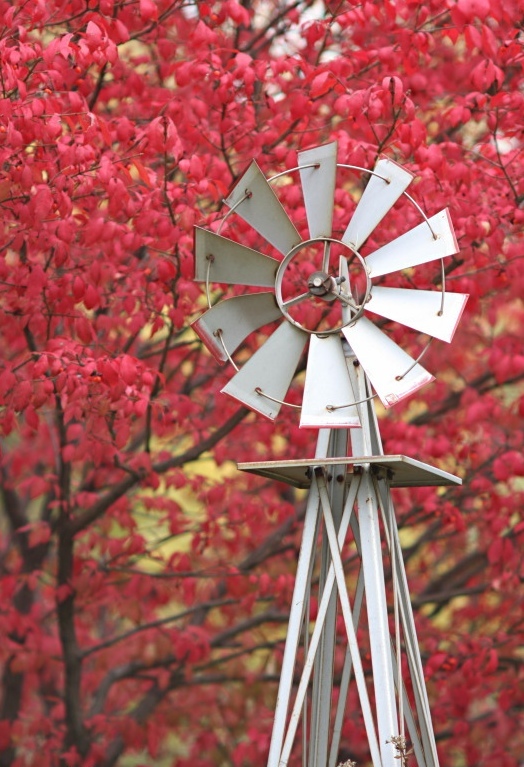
[400, 470]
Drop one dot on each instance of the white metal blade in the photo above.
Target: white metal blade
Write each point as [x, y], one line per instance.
[234, 319]
[318, 187]
[418, 246]
[255, 202]
[420, 309]
[384, 361]
[327, 383]
[379, 196]
[270, 370]
[231, 263]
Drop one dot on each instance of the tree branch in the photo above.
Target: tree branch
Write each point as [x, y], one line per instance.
[98, 87]
[76, 734]
[100, 506]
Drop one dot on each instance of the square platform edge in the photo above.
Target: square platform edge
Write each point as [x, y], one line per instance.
[401, 470]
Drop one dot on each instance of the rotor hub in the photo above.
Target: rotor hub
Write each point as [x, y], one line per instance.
[322, 285]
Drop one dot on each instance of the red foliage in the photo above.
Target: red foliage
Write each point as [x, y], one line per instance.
[143, 581]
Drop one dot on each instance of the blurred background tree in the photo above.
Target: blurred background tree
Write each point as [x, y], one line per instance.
[144, 583]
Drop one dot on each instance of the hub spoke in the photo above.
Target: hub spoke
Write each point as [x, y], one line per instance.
[296, 300]
[325, 259]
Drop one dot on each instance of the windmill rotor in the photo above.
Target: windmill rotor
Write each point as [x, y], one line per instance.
[323, 288]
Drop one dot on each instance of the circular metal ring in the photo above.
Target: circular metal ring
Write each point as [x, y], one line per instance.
[357, 309]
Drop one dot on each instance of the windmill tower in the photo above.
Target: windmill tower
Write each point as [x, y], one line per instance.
[322, 290]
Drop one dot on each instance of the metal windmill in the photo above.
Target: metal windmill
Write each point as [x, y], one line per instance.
[321, 291]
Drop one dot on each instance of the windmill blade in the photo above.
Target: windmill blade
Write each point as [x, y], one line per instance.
[318, 187]
[327, 383]
[218, 259]
[384, 362]
[234, 319]
[255, 202]
[381, 193]
[269, 370]
[420, 309]
[420, 245]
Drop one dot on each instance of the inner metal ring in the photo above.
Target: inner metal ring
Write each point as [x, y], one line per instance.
[357, 311]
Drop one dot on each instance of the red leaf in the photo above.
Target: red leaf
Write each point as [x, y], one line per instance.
[91, 298]
[471, 9]
[36, 281]
[109, 372]
[122, 434]
[5, 733]
[22, 395]
[485, 75]
[93, 33]
[493, 662]
[84, 330]
[79, 288]
[142, 172]
[31, 418]
[495, 551]
[128, 369]
[322, 84]
[148, 10]
[203, 35]
[7, 381]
